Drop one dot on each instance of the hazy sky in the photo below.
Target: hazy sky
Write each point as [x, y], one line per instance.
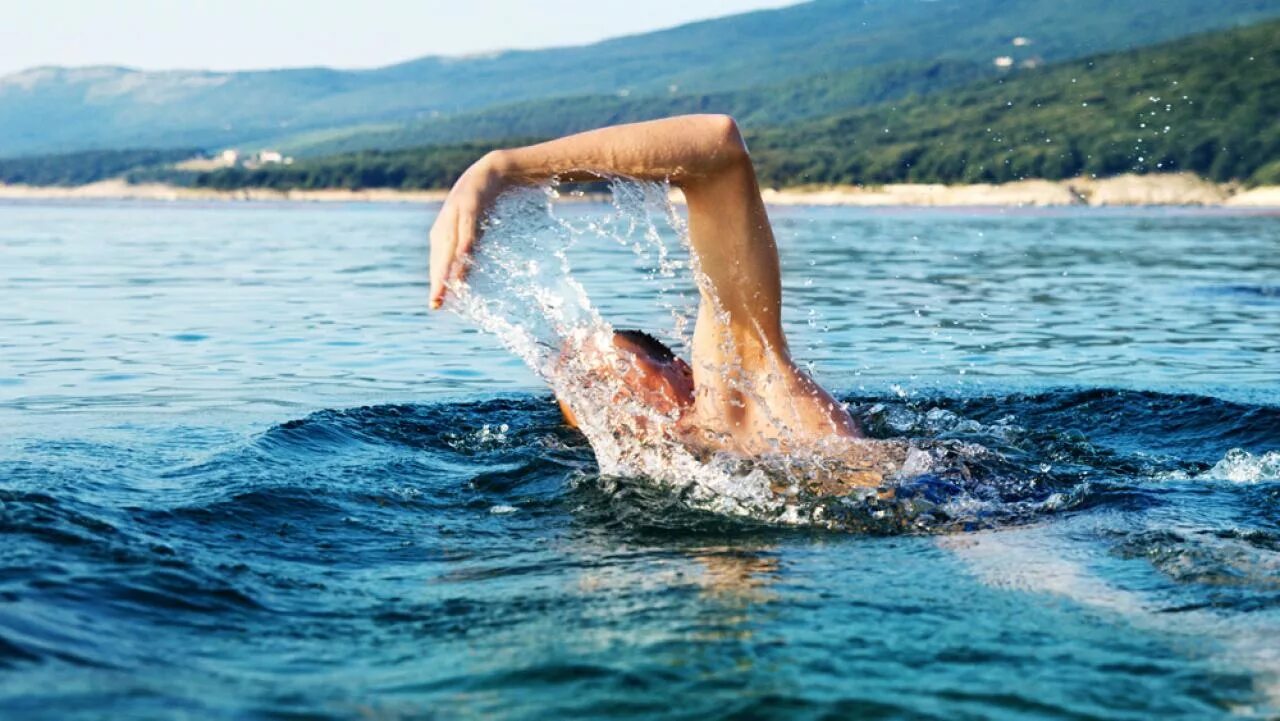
[238, 34]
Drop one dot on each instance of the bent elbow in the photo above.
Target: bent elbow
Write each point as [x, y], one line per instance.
[729, 136]
[727, 146]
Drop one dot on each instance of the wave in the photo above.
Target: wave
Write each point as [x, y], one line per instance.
[994, 459]
[256, 529]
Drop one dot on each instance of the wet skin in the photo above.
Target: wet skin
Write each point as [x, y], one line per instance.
[746, 391]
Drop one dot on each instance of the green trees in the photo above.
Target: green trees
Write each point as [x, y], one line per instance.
[86, 167]
[1208, 104]
[421, 168]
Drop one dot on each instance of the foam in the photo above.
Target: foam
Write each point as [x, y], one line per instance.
[521, 288]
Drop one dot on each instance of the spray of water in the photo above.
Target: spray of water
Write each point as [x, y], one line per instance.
[521, 288]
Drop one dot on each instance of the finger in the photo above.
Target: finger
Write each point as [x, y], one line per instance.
[443, 240]
[467, 231]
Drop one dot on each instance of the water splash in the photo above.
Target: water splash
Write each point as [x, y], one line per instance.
[521, 288]
[1241, 466]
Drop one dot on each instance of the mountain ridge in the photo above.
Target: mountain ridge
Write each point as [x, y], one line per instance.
[66, 109]
[1181, 106]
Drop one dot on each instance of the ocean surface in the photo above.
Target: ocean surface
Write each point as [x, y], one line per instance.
[244, 474]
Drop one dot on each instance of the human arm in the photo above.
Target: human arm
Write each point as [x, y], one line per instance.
[746, 382]
[703, 155]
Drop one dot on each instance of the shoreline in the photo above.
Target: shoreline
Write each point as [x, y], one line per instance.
[1172, 189]
[1169, 189]
[120, 190]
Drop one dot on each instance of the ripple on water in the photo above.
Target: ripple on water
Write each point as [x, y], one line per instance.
[414, 522]
[171, 547]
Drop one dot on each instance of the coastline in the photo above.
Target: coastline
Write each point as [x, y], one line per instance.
[1126, 190]
[1183, 189]
[117, 189]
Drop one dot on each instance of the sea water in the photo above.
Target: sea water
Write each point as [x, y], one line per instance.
[245, 474]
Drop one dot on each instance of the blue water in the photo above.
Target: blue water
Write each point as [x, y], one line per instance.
[244, 474]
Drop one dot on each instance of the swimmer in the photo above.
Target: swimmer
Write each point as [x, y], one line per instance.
[742, 388]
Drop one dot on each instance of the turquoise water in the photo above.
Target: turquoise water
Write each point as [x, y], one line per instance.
[244, 474]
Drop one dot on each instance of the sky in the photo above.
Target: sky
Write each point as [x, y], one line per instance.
[255, 34]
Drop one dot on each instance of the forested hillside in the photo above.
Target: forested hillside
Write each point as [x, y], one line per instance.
[48, 110]
[1209, 104]
[770, 105]
[87, 167]
[414, 169]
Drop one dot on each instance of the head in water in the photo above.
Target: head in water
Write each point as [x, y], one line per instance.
[644, 370]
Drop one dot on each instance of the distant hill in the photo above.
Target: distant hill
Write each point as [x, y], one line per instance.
[798, 99]
[59, 109]
[1208, 104]
[90, 166]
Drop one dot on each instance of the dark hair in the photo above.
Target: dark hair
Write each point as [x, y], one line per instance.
[648, 344]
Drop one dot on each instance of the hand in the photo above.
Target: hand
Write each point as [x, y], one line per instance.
[458, 226]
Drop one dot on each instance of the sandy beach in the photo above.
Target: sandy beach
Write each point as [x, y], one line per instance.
[1125, 190]
[120, 190]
